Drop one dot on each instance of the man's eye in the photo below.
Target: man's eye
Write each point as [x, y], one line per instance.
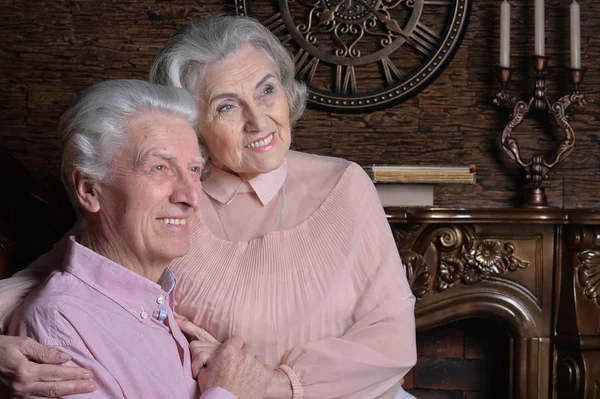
[159, 167]
[195, 169]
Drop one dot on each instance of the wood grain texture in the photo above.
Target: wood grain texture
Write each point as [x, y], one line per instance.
[51, 50]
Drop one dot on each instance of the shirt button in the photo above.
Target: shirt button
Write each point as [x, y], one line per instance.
[144, 314]
[160, 300]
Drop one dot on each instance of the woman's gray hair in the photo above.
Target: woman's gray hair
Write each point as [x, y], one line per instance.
[93, 129]
[196, 47]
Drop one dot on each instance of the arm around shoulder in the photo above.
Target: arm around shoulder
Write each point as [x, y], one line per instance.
[14, 289]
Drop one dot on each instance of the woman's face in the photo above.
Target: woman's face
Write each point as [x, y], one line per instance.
[244, 114]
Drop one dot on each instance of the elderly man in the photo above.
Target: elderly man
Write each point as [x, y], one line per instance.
[131, 165]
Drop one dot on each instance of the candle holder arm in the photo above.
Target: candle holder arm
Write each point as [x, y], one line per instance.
[509, 143]
[559, 113]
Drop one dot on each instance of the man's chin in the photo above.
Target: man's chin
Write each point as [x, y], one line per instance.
[173, 250]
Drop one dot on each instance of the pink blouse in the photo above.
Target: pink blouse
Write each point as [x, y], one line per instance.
[302, 264]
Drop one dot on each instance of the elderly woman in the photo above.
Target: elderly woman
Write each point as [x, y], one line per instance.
[294, 252]
[131, 165]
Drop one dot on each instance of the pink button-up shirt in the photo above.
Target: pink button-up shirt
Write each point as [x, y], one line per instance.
[115, 323]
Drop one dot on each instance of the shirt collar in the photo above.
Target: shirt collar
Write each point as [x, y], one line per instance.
[223, 186]
[134, 293]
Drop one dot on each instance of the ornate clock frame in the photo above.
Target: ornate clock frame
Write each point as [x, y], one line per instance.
[364, 55]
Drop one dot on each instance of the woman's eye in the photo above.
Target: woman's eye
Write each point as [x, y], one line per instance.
[224, 108]
[268, 90]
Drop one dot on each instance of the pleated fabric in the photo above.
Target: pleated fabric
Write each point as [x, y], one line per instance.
[326, 295]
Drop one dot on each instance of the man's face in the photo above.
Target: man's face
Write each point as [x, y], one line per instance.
[146, 208]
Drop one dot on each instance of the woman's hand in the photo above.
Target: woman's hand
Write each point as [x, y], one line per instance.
[202, 344]
[194, 332]
[234, 368]
[31, 370]
[200, 352]
[280, 386]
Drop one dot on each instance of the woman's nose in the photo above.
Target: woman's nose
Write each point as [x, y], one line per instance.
[256, 119]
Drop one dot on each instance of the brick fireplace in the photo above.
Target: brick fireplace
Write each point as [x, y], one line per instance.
[534, 272]
[468, 359]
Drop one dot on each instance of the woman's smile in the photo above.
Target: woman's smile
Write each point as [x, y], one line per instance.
[263, 144]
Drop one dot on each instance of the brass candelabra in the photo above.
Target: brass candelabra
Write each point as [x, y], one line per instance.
[537, 167]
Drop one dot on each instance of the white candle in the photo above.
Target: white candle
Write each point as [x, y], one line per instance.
[540, 39]
[505, 34]
[575, 36]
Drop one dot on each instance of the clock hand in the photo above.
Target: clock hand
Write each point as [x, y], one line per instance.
[390, 24]
[328, 15]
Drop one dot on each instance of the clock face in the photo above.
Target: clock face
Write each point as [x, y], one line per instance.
[362, 55]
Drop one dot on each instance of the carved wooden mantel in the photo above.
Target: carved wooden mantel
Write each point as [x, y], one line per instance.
[536, 270]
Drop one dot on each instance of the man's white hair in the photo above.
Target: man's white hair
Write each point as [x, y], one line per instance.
[93, 129]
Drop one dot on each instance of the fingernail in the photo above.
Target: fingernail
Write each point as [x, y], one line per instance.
[88, 376]
[64, 356]
[91, 386]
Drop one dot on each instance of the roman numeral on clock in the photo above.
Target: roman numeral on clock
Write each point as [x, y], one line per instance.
[277, 26]
[423, 39]
[347, 83]
[306, 65]
[392, 74]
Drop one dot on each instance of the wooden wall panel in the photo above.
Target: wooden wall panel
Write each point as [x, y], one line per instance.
[51, 50]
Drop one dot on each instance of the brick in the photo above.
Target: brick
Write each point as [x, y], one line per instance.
[426, 394]
[482, 395]
[452, 374]
[442, 342]
[486, 339]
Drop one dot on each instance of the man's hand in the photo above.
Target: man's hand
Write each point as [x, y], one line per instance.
[31, 370]
[235, 369]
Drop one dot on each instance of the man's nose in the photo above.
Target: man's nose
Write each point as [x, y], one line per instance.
[187, 191]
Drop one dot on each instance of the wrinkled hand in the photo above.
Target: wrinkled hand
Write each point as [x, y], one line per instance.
[202, 344]
[200, 353]
[234, 368]
[31, 370]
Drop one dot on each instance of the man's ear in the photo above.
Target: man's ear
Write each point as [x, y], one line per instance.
[87, 192]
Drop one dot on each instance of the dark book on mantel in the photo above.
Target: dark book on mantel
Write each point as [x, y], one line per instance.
[414, 185]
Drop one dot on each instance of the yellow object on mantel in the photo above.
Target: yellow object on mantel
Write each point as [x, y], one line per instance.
[421, 174]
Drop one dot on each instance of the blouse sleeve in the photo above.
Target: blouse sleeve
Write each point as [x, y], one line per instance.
[380, 347]
[14, 289]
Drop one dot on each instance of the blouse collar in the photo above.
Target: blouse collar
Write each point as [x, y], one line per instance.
[223, 186]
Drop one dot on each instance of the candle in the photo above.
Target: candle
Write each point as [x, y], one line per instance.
[505, 34]
[575, 36]
[540, 39]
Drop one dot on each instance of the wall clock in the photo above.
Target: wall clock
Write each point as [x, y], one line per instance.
[363, 55]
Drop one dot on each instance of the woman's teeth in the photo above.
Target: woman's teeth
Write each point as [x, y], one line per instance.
[172, 221]
[261, 143]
